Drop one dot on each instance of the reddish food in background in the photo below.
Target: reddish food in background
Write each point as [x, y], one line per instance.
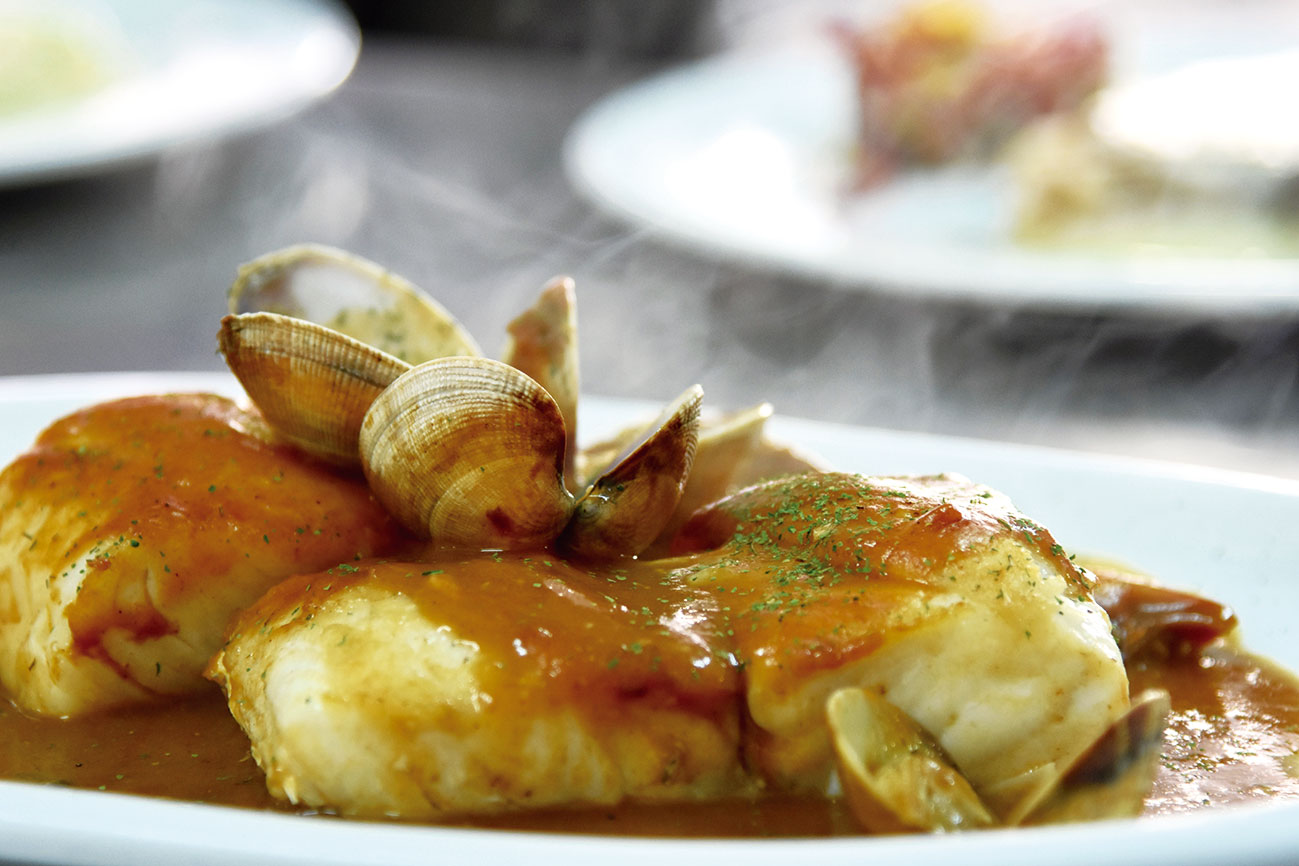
[939, 82]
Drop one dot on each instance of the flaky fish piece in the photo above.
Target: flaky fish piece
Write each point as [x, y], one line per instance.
[932, 592]
[132, 531]
[512, 681]
[481, 685]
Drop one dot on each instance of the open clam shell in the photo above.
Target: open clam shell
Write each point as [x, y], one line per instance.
[726, 446]
[312, 384]
[351, 295]
[469, 452]
[733, 451]
[627, 507]
[542, 343]
[1112, 777]
[896, 777]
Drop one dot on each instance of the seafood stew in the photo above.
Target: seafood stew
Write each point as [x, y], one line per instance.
[194, 751]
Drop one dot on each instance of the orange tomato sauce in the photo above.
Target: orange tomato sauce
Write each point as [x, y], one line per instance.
[1233, 738]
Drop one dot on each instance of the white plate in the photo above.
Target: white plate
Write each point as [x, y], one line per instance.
[748, 156]
[187, 70]
[1230, 535]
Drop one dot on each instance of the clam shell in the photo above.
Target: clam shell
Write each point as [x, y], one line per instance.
[896, 778]
[627, 507]
[542, 343]
[726, 445]
[732, 452]
[313, 385]
[354, 296]
[469, 452]
[1112, 776]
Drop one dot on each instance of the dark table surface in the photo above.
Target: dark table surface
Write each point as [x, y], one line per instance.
[442, 160]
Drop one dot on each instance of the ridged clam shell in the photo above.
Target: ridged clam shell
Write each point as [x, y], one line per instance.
[312, 384]
[542, 343]
[628, 505]
[354, 296]
[896, 778]
[469, 452]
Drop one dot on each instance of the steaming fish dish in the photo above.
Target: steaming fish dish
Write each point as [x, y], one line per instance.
[398, 584]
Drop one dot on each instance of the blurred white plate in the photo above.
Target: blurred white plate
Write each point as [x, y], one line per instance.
[1229, 535]
[176, 71]
[748, 156]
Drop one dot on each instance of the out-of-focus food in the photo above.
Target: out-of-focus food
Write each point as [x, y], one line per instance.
[133, 530]
[52, 54]
[942, 81]
[1199, 160]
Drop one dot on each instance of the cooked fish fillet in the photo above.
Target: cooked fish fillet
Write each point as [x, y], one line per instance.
[482, 685]
[506, 681]
[131, 532]
[933, 592]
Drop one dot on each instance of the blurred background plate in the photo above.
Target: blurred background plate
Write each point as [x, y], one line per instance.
[751, 155]
[88, 84]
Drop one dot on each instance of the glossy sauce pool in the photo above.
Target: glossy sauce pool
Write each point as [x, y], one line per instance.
[1233, 738]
